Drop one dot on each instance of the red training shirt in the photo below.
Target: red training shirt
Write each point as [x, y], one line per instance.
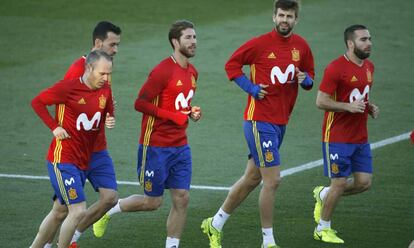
[81, 112]
[272, 59]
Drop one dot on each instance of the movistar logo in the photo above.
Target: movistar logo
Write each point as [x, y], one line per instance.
[69, 182]
[283, 77]
[334, 156]
[149, 173]
[267, 144]
[357, 95]
[86, 123]
[183, 101]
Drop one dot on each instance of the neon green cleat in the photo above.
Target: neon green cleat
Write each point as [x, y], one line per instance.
[327, 235]
[213, 234]
[271, 246]
[99, 227]
[317, 211]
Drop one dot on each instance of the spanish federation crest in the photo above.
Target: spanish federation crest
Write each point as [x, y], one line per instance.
[102, 102]
[334, 168]
[72, 194]
[295, 55]
[369, 76]
[148, 186]
[269, 156]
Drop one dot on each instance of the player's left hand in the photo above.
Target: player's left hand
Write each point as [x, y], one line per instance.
[109, 121]
[304, 80]
[373, 110]
[300, 74]
[195, 114]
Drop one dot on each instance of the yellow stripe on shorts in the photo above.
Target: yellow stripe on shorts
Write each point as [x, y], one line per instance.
[258, 144]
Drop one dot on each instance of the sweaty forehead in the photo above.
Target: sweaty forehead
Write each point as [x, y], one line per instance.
[112, 37]
[103, 65]
[285, 12]
[364, 33]
[188, 31]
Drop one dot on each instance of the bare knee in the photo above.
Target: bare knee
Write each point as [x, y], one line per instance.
[152, 203]
[338, 184]
[59, 214]
[77, 214]
[181, 199]
[108, 198]
[362, 186]
[251, 180]
[272, 184]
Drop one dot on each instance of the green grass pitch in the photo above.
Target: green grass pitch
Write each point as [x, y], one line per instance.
[40, 39]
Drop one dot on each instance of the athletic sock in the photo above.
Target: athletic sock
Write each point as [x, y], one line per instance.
[323, 224]
[115, 209]
[323, 193]
[76, 236]
[220, 219]
[172, 242]
[268, 238]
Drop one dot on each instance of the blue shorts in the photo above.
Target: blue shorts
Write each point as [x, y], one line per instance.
[264, 140]
[67, 181]
[101, 172]
[341, 159]
[162, 168]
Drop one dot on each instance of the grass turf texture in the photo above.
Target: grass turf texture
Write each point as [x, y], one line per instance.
[41, 39]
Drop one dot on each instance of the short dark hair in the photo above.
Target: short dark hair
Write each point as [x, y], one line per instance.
[287, 5]
[176, 28]
[349, 32]
[101, 30]
[96, 55]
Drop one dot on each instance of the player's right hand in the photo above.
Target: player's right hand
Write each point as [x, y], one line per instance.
[60, 133]
[259, 92]
[357, 106]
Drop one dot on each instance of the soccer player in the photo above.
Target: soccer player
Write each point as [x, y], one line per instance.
[164, 157]
[344, 95]
[81, 105]
[279, 62]
[101, 173]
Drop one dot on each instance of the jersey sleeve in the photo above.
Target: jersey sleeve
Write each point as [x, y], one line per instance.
[244, 55]
[110, 106]
[157, 81]
[308, 64]
[155, 84]
[195, 72]
[329, 82]
[75, 70]
[56, 94]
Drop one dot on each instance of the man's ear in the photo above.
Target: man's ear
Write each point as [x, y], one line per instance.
[175, 43]
[98, 43]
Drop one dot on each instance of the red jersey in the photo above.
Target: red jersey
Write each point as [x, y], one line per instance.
[272, 59]
[80, 111]
[169, 87]
[76, 70]
[346, 82]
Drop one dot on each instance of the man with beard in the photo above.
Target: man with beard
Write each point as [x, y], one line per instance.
[344, 95]
[164, 157]
[279, 61]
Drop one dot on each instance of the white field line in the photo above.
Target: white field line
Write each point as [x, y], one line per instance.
[284, 173]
